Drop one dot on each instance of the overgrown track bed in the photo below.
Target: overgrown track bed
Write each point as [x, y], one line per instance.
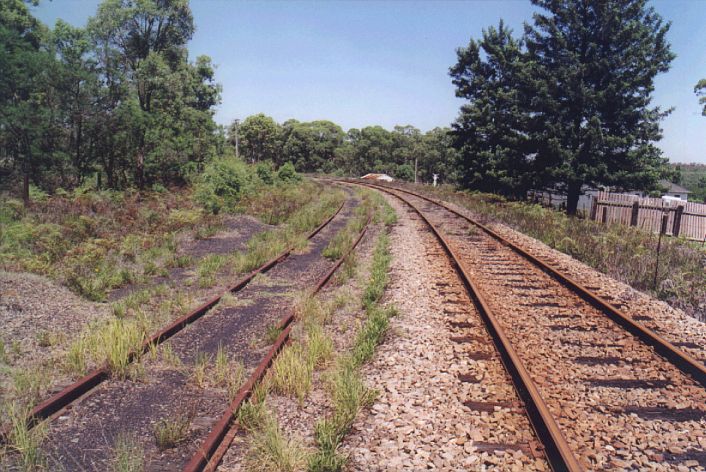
[617, 402]
[217, 444]
[182, 387]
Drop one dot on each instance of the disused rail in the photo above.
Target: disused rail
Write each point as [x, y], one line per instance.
[76, 390]
[216, 444]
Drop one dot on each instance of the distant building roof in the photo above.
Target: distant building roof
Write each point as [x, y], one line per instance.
[672, 187]
[384, 177]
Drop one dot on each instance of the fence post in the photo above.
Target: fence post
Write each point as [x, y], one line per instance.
[594, 207]
[662, 230]
[677, 220]
[635, 212]
[604, 216]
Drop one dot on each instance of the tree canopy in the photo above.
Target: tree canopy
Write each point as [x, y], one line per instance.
[118, 98]
[568, 104]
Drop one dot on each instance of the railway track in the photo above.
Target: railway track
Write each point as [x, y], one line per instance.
[211, 452]
[49, 408]
[600, 390]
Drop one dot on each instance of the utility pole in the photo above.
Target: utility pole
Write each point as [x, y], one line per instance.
[415, 169]
[237, 142]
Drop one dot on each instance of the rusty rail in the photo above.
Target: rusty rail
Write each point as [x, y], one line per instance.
[680, 359]
[556, 448]
[71, 393]
[216, 444]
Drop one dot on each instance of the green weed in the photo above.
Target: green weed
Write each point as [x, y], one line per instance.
[291, 372]
[128, 454]
[169, 432]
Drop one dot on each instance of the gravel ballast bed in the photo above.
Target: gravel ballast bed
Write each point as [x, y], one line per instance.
[419, 421]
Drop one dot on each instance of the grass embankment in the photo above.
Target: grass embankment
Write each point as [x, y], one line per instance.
[292, 373]
[625, 253]
[94, 241]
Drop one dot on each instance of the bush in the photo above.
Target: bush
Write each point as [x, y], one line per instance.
[222, 184]
[264, 172]
[287, 173]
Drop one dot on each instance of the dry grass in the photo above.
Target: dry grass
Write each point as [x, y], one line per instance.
[128, 454]
[291, 372]
[169, 432]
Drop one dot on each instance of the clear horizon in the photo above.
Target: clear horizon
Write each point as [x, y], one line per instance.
[386, 63]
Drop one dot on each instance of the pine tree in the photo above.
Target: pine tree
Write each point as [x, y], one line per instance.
[491, 130]
[597, 63]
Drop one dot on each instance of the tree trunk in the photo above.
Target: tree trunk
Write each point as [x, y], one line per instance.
[573, 192]
[140, 168]
[25, 188]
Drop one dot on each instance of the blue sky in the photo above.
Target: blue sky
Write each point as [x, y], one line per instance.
[365, 63]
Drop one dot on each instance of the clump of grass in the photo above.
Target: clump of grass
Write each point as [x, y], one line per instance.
[291, 372]
[349, 397]
[228, 300]
[208, 267]
[114, 343]
[206, 231]
[385, 212]
[23, 440]
[347, 270]
[3, 352]
[128, 454]
[309, 309]
[319, 346]
[272, 451]
[47, 338]
[169, 357]
[29, 384]
[169, 432]
[228, 373]
[348, 392]
[378, 272]
[272, 332]
[372, 332]
[253, 413]
[198, 374]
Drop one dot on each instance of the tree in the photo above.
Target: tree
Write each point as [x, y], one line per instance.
[77, 85]
[492, 129]
[25, 64]
[438, 157]
[258, 135]
[310, 146]
[597, 63]
[700, 90]
[145, 40]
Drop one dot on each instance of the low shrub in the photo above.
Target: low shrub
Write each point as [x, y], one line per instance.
[222, 184]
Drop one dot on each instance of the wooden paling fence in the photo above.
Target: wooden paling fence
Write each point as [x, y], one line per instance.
[676, 218]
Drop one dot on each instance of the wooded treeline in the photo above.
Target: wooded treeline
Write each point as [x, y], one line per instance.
[118, 98]
[323, 146]
[566, 104]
